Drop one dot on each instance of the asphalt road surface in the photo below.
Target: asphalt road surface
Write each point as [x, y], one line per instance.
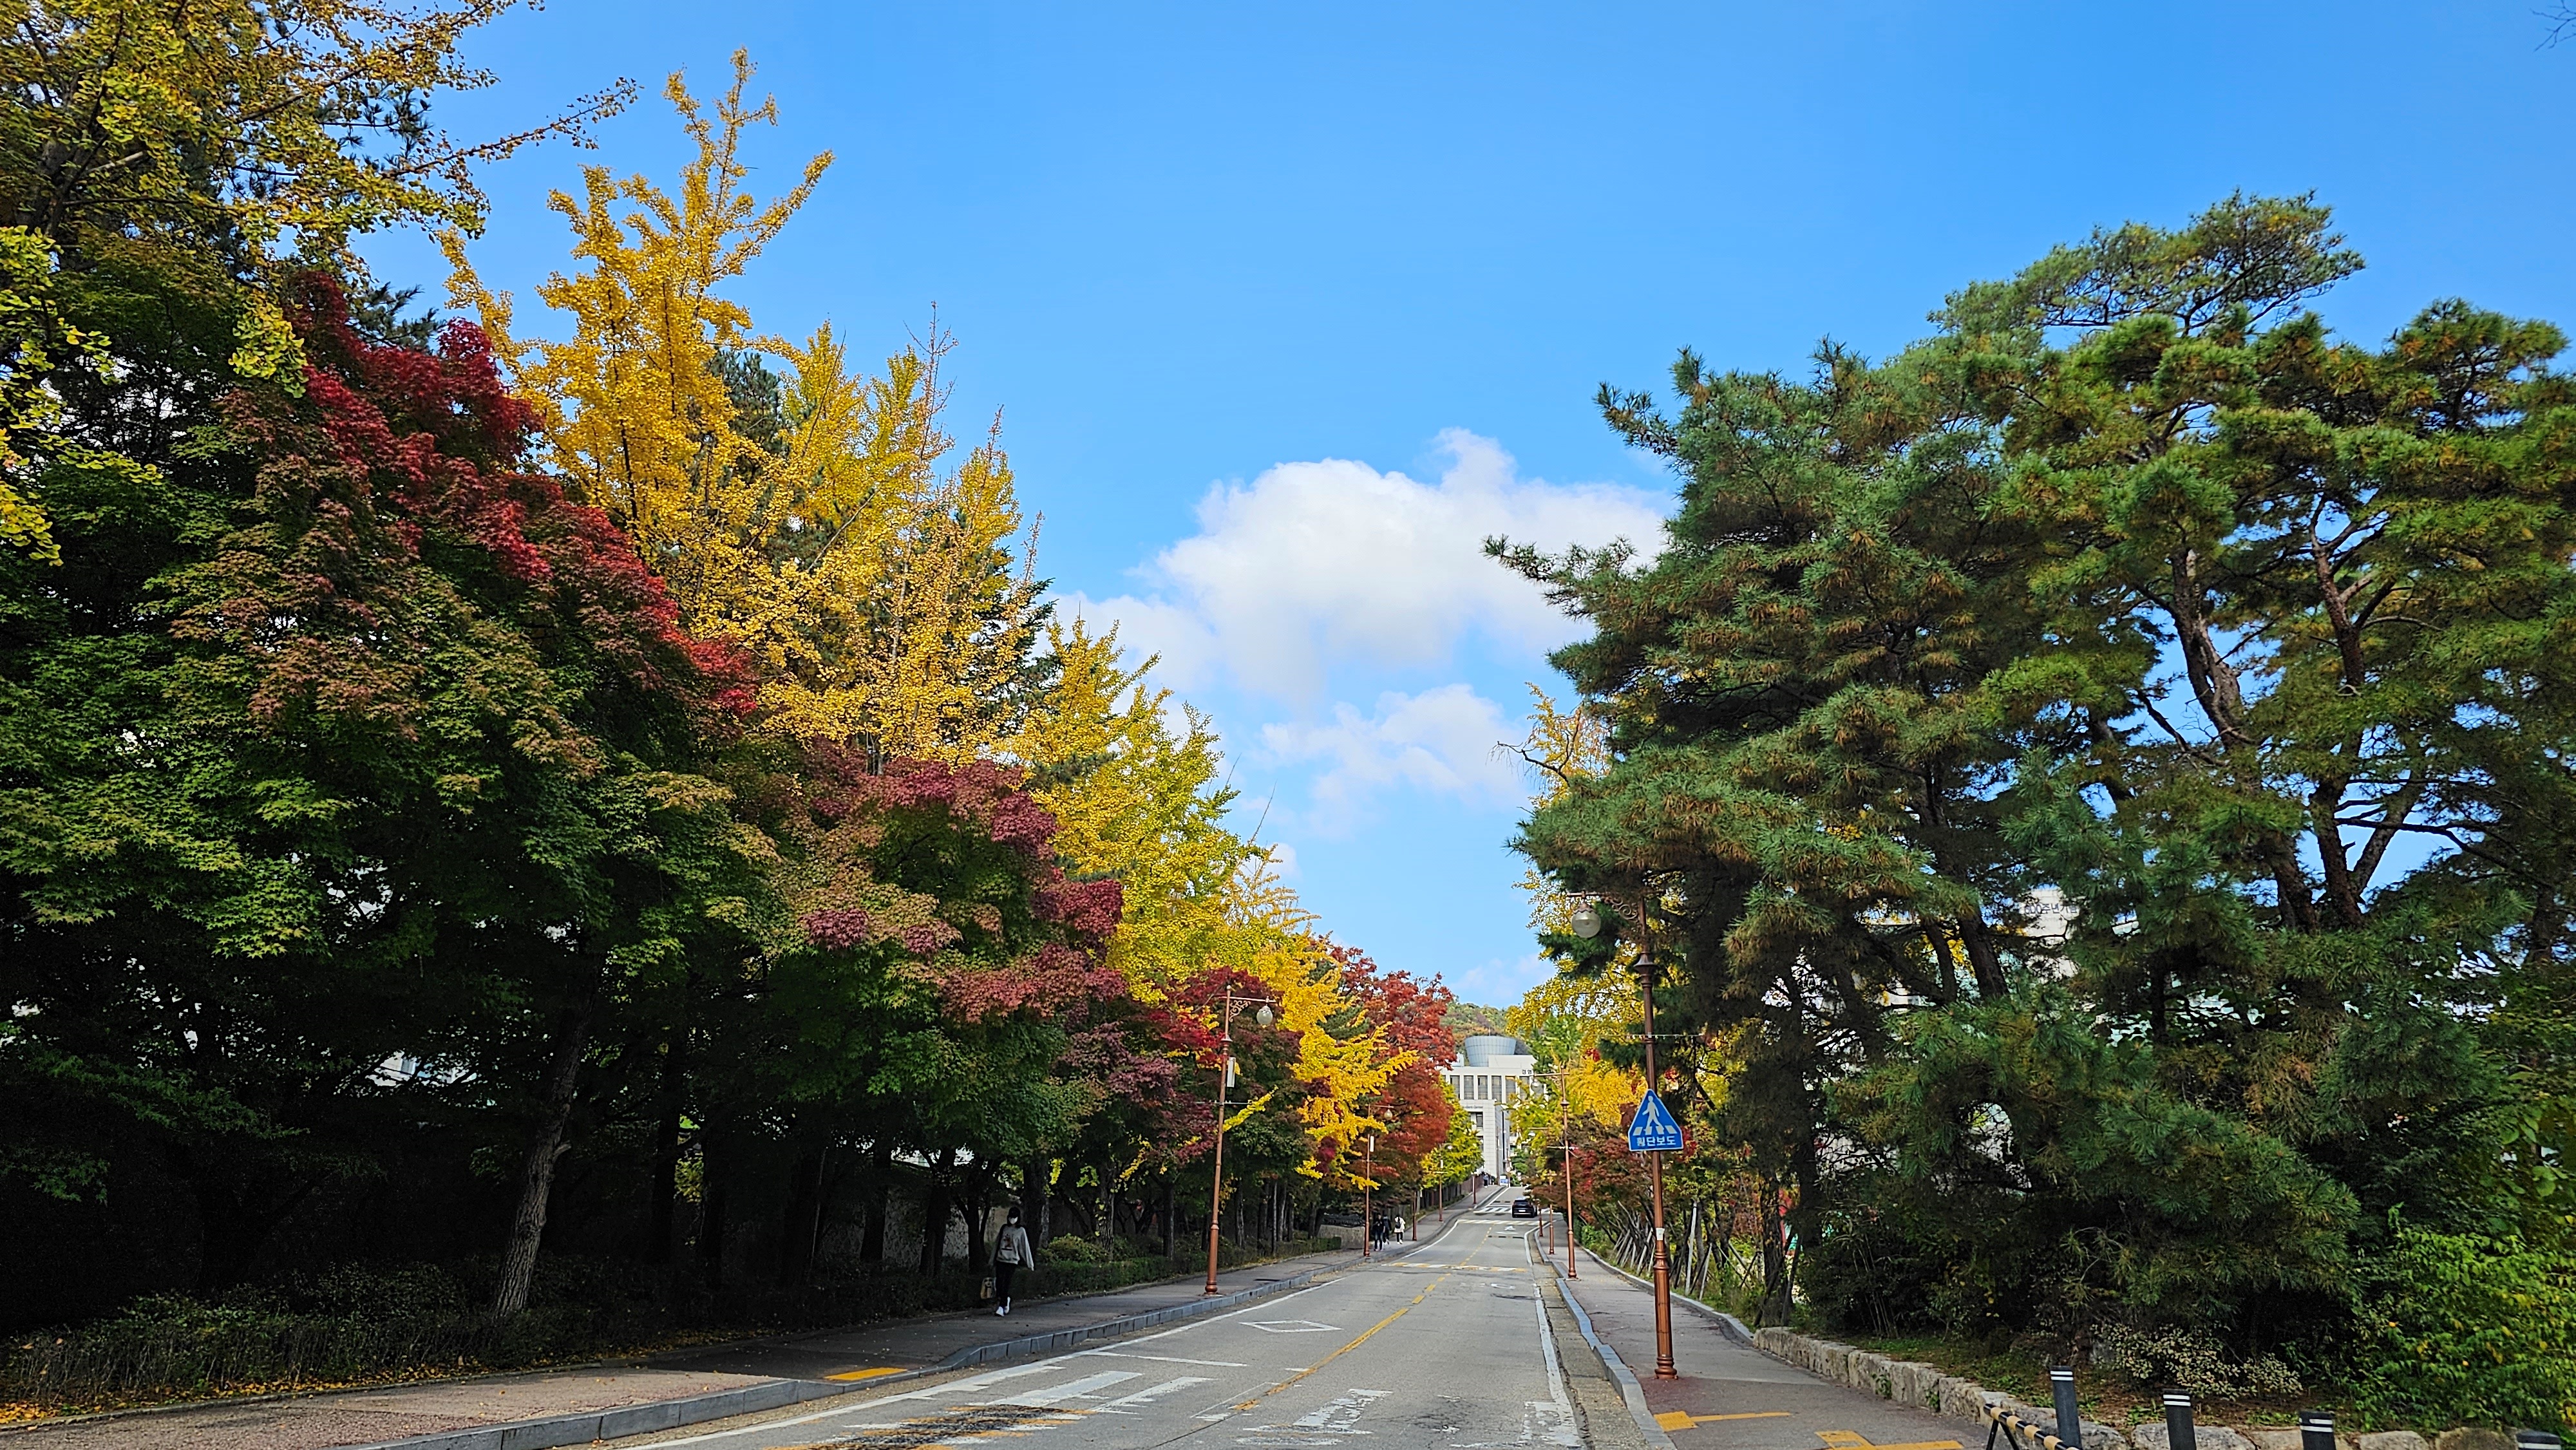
[1444, 1347]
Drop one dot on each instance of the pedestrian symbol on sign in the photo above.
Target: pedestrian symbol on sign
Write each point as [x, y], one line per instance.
[1653, 1130]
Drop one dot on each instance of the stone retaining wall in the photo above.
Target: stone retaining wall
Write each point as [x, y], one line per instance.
[1927, 1387]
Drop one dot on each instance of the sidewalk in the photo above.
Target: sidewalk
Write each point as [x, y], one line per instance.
[685, 1387]
[891, 1345]
[1732, 1396]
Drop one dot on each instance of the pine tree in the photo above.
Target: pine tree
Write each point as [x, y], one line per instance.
[1975, 731]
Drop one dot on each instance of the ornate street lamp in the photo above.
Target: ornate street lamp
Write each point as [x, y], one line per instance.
[1225, 1080]
[1587, 924]
[1368, 1200]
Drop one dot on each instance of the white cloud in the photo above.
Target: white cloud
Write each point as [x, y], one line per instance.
[1443, 741]
[1317, 562]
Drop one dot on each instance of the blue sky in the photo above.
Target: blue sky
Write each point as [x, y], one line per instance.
[1287, 307]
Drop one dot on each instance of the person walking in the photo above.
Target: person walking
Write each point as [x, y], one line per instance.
[1010, 1251]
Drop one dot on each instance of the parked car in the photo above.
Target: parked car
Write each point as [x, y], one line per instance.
[1523, 1208]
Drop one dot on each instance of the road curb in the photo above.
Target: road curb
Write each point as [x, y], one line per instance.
[1629, 1390]
[662, 1415]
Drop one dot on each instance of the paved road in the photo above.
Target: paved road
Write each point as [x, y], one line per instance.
[1444, 1346]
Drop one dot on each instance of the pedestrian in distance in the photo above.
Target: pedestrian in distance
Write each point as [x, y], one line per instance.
[1010, 1251]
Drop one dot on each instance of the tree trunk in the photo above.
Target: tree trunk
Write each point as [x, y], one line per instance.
[1167, 1216]
[1775, 1261]
[537, 1170]
[804, 1220]
[979, 1198]
[240, 1202]
[934, 1212]
[880, 1188]
[713, 1168]
[666, 1148]
[1037, 1198]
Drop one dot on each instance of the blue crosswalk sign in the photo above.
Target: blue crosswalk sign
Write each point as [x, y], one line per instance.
[1653, 1130]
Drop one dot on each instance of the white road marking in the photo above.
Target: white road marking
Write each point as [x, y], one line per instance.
[1295, 1326]
[1071, 1389]
[974, 1383]
[1161, 1358]
[1556, 1414]
[1341, 1413]
[1156, 1392]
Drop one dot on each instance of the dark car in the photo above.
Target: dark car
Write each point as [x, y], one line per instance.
[1523, 1208]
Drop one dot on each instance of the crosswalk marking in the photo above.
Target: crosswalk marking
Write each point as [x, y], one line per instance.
[1071, 1389]
[1160, 1358]
[1149, 1395]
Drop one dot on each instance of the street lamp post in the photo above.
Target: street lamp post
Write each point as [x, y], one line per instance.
[1587, 924]
[1368, 1199]
[1565, 1147]
[1224, 1080]
[1569, 1205]
[1663, 1256]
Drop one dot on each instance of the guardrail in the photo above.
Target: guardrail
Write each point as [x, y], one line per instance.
[2316, 1427]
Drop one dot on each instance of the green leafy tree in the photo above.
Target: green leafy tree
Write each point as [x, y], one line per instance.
[375, 771]
[2014, 746]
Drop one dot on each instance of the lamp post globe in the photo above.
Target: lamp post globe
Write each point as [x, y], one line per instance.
[1586, 923]
[1264, 1016]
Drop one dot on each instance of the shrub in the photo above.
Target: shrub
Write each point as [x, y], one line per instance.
[2469, 1330]
[2195, 1362]
[1883, 1269]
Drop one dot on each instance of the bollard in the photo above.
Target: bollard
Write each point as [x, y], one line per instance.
[2070, 1425]
[2535, 1440]
[2178, 1434]
[2316, 1430]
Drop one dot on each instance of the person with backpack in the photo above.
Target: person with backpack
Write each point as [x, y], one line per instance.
[1010, 1251]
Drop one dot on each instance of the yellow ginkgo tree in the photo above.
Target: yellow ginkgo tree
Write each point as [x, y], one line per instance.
[813, 518]
[1140, 798]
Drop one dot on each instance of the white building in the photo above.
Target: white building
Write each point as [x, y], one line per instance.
[1488, 1074]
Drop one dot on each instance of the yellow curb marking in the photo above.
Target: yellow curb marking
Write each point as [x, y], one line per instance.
[1846, 1440]
[1684, 1419]
[847, 1375]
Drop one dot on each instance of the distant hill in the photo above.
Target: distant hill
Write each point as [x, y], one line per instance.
[1467, 1019]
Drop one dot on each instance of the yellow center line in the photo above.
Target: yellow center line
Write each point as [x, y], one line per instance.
[1363, 1336]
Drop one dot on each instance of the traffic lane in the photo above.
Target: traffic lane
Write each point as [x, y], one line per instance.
[1453, 1358]
[1211, 1372]
[1732, 1396]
